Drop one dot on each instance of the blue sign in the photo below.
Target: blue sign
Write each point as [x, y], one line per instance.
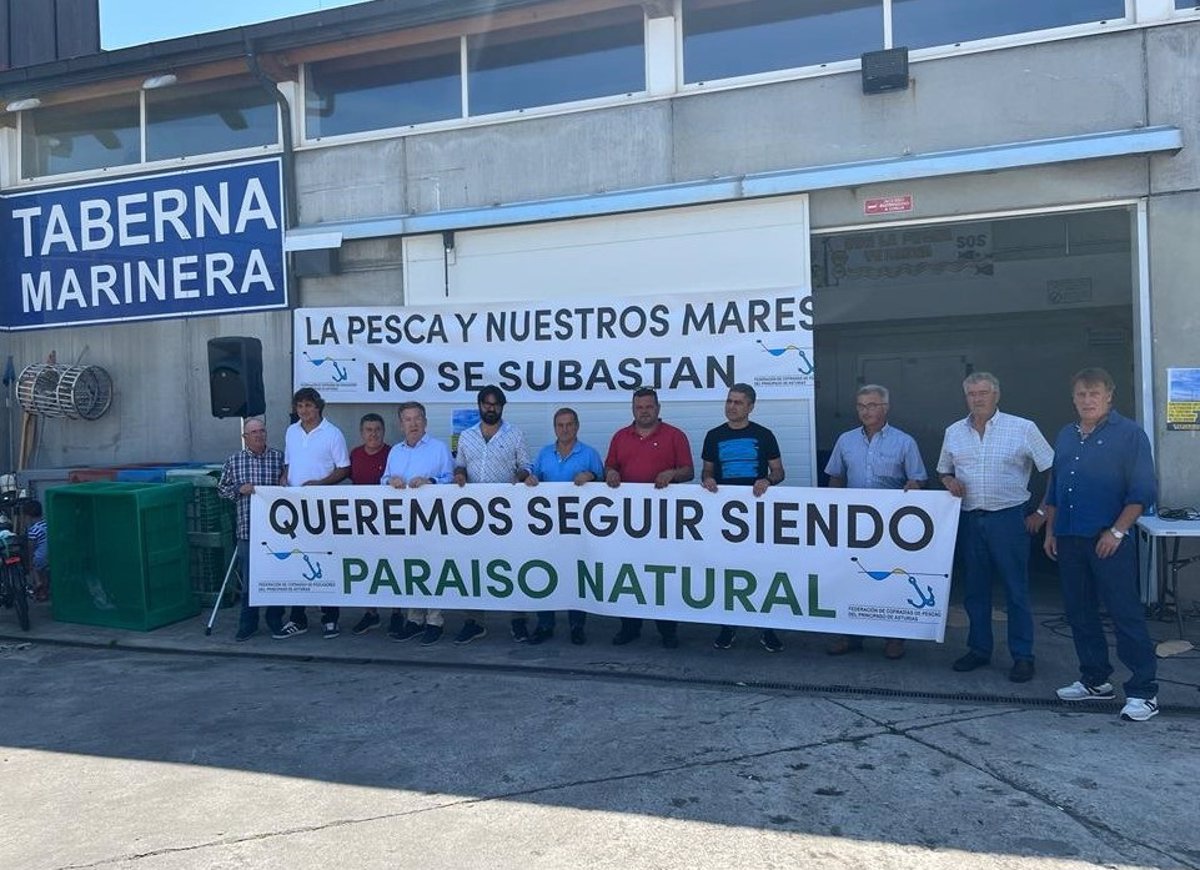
[178, 244]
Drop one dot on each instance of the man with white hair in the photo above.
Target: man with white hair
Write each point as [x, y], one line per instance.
[987, 460]
[875, 455]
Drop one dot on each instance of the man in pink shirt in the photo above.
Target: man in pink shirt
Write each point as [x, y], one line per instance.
[648, 451]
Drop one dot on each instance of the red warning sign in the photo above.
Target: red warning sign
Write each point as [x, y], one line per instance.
[888, 204]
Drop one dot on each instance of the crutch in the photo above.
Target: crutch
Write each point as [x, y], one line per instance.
[212, 617]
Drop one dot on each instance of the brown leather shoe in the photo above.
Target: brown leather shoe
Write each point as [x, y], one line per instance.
[843, 645]
[893, 648]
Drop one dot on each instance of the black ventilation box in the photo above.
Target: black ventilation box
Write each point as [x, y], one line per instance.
[885, 70]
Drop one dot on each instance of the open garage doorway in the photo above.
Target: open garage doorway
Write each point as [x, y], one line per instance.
[917, 308]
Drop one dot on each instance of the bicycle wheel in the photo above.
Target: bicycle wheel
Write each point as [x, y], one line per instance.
[20, 597]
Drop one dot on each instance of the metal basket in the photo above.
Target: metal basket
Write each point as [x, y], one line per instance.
[75, 392]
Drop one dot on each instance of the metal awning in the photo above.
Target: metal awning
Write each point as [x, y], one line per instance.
[963, 161]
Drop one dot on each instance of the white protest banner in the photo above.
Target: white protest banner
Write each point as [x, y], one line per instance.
[874, 562]
[696, 346]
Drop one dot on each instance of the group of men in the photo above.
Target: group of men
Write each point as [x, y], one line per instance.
[1101, 480]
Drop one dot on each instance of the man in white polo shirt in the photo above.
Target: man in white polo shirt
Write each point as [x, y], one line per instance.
[987, 460]
[314, 454]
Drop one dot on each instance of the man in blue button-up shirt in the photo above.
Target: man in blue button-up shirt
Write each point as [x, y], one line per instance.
[1103, 481]
[566, 459]
[875, 455]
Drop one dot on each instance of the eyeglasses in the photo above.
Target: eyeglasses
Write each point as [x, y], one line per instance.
[250, 432]
[871, 406]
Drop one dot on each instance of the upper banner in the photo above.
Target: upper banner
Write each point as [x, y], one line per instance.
[873, 562]
[200, 241]
[697, 346]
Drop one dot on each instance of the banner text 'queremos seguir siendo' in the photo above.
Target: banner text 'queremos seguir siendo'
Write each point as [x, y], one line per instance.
[872, 562]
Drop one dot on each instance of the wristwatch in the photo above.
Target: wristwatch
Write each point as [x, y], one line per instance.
[1116, 533]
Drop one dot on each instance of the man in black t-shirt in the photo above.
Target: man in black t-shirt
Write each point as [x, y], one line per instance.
[741, 453]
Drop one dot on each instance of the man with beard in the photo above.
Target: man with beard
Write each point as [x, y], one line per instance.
[491, 451]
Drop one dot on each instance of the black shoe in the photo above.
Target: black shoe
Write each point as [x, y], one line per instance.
[407, 631]
[770, 641]
[623, 637]
[430, 635]
[725, 638]
[970, 662]
[470, 631]
[369, 620]
[577, 636]
[1022, 671]
[540, 635]
[520, 631]
[244, 634]
[670, 641]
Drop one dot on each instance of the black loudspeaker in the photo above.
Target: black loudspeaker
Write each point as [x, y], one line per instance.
[884, 71]
[235, 377]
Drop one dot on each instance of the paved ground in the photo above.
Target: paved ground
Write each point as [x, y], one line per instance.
[148, 760]
[173, 750]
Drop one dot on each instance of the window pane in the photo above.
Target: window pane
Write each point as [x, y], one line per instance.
[209, 117]
[78, 137]
[565, 61]
[399, 88]
[1187, 4]
[922, 23]
[722, 39]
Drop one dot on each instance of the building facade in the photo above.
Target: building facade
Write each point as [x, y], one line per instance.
[1026, 203]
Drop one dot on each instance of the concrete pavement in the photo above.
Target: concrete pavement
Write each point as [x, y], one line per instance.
[116, 759]
[175, 750]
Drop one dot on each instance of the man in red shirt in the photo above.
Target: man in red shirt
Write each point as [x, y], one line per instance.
[367, 462]
[648, 451]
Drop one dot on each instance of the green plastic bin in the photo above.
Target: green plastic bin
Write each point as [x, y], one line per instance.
[210, 522]
[120, 554]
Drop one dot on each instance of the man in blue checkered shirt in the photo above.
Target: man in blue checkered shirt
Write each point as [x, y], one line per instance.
[254, 465]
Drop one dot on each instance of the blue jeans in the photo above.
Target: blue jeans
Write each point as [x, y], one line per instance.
[1089, 581]
[575, 618]
[997, 545]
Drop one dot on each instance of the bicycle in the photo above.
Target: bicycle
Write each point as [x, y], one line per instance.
[14, 575]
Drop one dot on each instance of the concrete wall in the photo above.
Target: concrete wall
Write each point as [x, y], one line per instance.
[1173, 97]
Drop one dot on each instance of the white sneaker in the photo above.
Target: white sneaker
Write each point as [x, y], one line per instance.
[1078, 691]
[1140, 709]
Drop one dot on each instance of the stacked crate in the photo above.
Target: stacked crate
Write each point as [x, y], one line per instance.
[211, 534]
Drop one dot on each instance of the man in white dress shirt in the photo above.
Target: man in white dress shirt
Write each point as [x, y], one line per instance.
[987, 460]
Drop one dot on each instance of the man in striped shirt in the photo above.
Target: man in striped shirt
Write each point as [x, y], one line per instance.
[987, 460]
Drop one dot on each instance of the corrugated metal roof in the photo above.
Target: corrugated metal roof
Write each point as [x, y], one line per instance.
[363, 19]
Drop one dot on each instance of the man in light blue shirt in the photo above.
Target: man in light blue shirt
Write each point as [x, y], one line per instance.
[566, 460]
[874, 456]
[414, 461]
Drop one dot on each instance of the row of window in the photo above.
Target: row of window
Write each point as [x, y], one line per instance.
[555, 62]
[182, 121]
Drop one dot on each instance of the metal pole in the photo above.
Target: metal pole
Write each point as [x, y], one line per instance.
[212, 617]
[10, 378]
